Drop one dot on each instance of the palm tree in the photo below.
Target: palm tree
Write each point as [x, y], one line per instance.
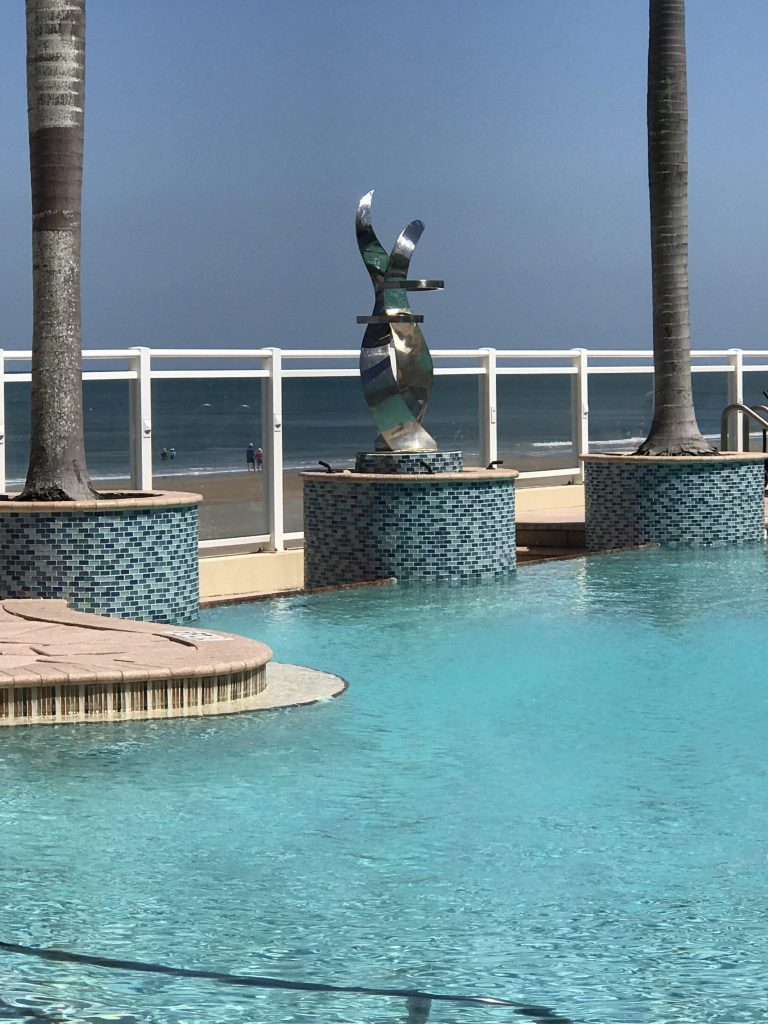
[55, 94]
[674, 430]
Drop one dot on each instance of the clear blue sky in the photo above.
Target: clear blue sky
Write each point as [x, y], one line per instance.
[227, 145]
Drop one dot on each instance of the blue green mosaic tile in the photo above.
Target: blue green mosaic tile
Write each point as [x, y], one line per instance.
[420, 531]
[409, 462]
[138, 563]
[710, 503]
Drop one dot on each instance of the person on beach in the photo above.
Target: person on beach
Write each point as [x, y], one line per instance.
[250, 458]
[259, 459]
[164, 454]
[172, 454]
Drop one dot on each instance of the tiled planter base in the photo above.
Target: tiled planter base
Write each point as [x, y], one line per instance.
[675, 501]
[416, 526]
[132, 557]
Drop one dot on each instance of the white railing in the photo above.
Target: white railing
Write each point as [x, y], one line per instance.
[487, 364]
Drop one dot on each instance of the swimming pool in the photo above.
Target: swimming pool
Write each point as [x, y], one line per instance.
[551, 789]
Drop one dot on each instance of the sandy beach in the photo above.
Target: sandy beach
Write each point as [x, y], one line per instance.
[233, 503]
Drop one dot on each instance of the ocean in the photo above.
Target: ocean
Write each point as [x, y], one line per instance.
[209, 423]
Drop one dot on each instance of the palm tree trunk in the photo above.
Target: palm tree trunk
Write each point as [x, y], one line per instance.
[674, 430]
[55, 94]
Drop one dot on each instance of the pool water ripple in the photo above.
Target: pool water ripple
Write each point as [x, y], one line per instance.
[550, 789]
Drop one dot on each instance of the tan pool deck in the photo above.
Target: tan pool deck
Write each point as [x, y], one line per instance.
[549, 523]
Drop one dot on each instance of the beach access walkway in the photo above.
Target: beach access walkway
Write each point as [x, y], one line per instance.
[58, 665]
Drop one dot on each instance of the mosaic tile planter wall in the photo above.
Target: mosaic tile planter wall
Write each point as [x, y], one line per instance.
[680, 501]
[445, 527]
[132, 558]
[409, 462]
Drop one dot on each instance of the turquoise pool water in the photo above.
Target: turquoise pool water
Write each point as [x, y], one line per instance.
[553, 789]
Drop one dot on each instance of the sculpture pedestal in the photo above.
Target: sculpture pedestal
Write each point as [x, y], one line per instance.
[408, 519]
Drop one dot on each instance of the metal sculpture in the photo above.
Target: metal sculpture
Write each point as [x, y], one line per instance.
[395, 362]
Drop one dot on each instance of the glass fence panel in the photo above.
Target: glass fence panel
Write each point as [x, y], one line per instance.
[201, 430]
[534, 422]
[17, 420]
[755, 385]
[621, 408]
[453, 416]
[106, 418]
[327, 418]
[710, 397]
[107, 432]
[323, 418]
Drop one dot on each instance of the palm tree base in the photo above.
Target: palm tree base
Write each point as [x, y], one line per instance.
[133, 556]
[56, 494]
[680, 446]
[688, 500]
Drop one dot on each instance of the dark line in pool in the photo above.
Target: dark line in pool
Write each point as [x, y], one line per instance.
[541, 1013]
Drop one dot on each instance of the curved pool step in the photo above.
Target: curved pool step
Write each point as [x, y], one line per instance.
[59, 666]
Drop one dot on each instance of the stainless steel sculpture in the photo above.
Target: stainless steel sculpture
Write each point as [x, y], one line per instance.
[395, 363]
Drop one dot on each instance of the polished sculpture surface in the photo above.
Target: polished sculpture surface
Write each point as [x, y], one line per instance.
[395, 363]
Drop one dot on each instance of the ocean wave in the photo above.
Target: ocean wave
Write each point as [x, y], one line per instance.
[612, 441]
[592, 440]
[616, 441]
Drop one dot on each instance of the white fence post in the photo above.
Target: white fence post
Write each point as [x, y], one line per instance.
[140, 396]
[489, 440]
[580, 406]
[272, 432]
[2, 422]
[736, 394]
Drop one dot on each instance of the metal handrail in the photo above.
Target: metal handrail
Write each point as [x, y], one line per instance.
[748, 413]
[763, 408]
[417, 1002]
